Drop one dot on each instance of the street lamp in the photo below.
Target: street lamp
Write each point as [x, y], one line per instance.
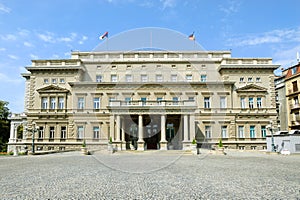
[33, 129]
[270, 128]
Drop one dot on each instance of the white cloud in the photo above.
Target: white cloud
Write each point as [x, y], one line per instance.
[8, 37]
[14, 57]
[5, 79]
[48, 37]
[4, 9]
[230, 7]
[84, 38]
[33, 57]
[168, 3]
[23, 32]
[28, 44]
[2, 49]
[271, 37]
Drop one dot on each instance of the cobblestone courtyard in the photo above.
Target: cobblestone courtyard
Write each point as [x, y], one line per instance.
[150, 175]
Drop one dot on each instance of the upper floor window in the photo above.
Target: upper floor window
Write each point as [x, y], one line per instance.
[250, 79]
[61, 80]
[128, 78]
[243, 102]
[251, 103]
[80, 132]
[80, 104]
[99, 78]
[241, 132]
[263, 131]
[224, 131]
[296, 101]
[206, 102]
[242, 79]
[252, 131]
[159, 100]
[158, 66]
[128, 67]
[127, 100]
[258, 79]
[44, 103]
[295, 86]
[208, 131]
[175, 100]
[159, 78]
[96, 103]
[54, 80]
[294, 70]
[222, 102]
[203, 78]
[143, 100]
[46, 80]
[173, 66]
[174, 77]
[53, 103]
[259, 102]
[63, 132]
[144, 78]
[41, 132]
[114, 78]
[188, 77]
[114, 67]
[61, 102]
[191, 98]
[188, 66]
[96, 131]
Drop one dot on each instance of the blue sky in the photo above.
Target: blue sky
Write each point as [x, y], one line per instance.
[49, 29]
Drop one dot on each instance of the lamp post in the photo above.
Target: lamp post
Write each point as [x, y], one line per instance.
[270, 128]
[33, 129]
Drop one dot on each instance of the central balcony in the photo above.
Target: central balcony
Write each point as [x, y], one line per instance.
[140, 103]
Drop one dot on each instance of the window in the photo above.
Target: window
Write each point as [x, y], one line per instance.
[224, 131]
[252, 131]
[80, 132]
[96, 103]
[258, 79]
[208, 131]
[61, 80]
[191, 98]
[158, 66]
[111, 100]
[61, 102]
[251, 103]
[175, 100]
[241, 132]
[203, 66]
[143, 100]
[296, 101]
[99, 78]
[128, 78]
[52, 132]
[144, 78]
[241, 147]
[242, 79]
[243, 102]
[128, 67]
[174, 77]
[44, 103]
[114, 67]
[159, 78]
[250, 79]
[114, 78]
[46, 81]
[253, 147]
[99, 67]
[96, 132]
[80, 103]
[203, 78]
[263, 131]
[173, 66]
[222, 102]
[258, 102]
[63, 132]
[189, 77]
[41, 132]
[53, 103]
[295, 86]
[188, 66]
[128, 100]
[206, 102]
[54, 80]
[159, 99]
[294, 70]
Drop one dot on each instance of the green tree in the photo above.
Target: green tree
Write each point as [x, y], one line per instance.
[4, 125]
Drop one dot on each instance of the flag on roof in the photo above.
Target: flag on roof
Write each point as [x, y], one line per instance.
[192, 36]
[105, 35]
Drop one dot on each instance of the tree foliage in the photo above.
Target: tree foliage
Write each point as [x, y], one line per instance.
[4, 125]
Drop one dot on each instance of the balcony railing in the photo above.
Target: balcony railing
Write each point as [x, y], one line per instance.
[294, 106]
[151, 103]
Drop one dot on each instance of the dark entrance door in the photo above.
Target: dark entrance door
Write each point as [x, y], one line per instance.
[151, 136]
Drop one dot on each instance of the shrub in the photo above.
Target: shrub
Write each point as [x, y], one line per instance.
[220, 143]
[194, 141]
[110, 140]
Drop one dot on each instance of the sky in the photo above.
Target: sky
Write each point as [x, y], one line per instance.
[51, 29]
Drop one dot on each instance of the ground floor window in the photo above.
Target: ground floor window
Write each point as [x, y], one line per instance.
[80, 131]
[252, 131]
[96, 131]
[208, 131]
[63, 132]
[52, 132]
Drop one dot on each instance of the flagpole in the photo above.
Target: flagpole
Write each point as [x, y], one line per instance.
[106, 43]
[151, 39]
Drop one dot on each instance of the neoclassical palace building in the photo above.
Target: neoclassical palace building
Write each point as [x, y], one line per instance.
[147, 99]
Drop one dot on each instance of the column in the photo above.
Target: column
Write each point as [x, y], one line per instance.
[123, 135]
[185, 142]
[192, 127]
[118, 125]
[112, 127]
[141, 134]
[12, 137]
[163, 141]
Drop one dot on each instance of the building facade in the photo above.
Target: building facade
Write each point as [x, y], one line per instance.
[281, 104]
[148, 100]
